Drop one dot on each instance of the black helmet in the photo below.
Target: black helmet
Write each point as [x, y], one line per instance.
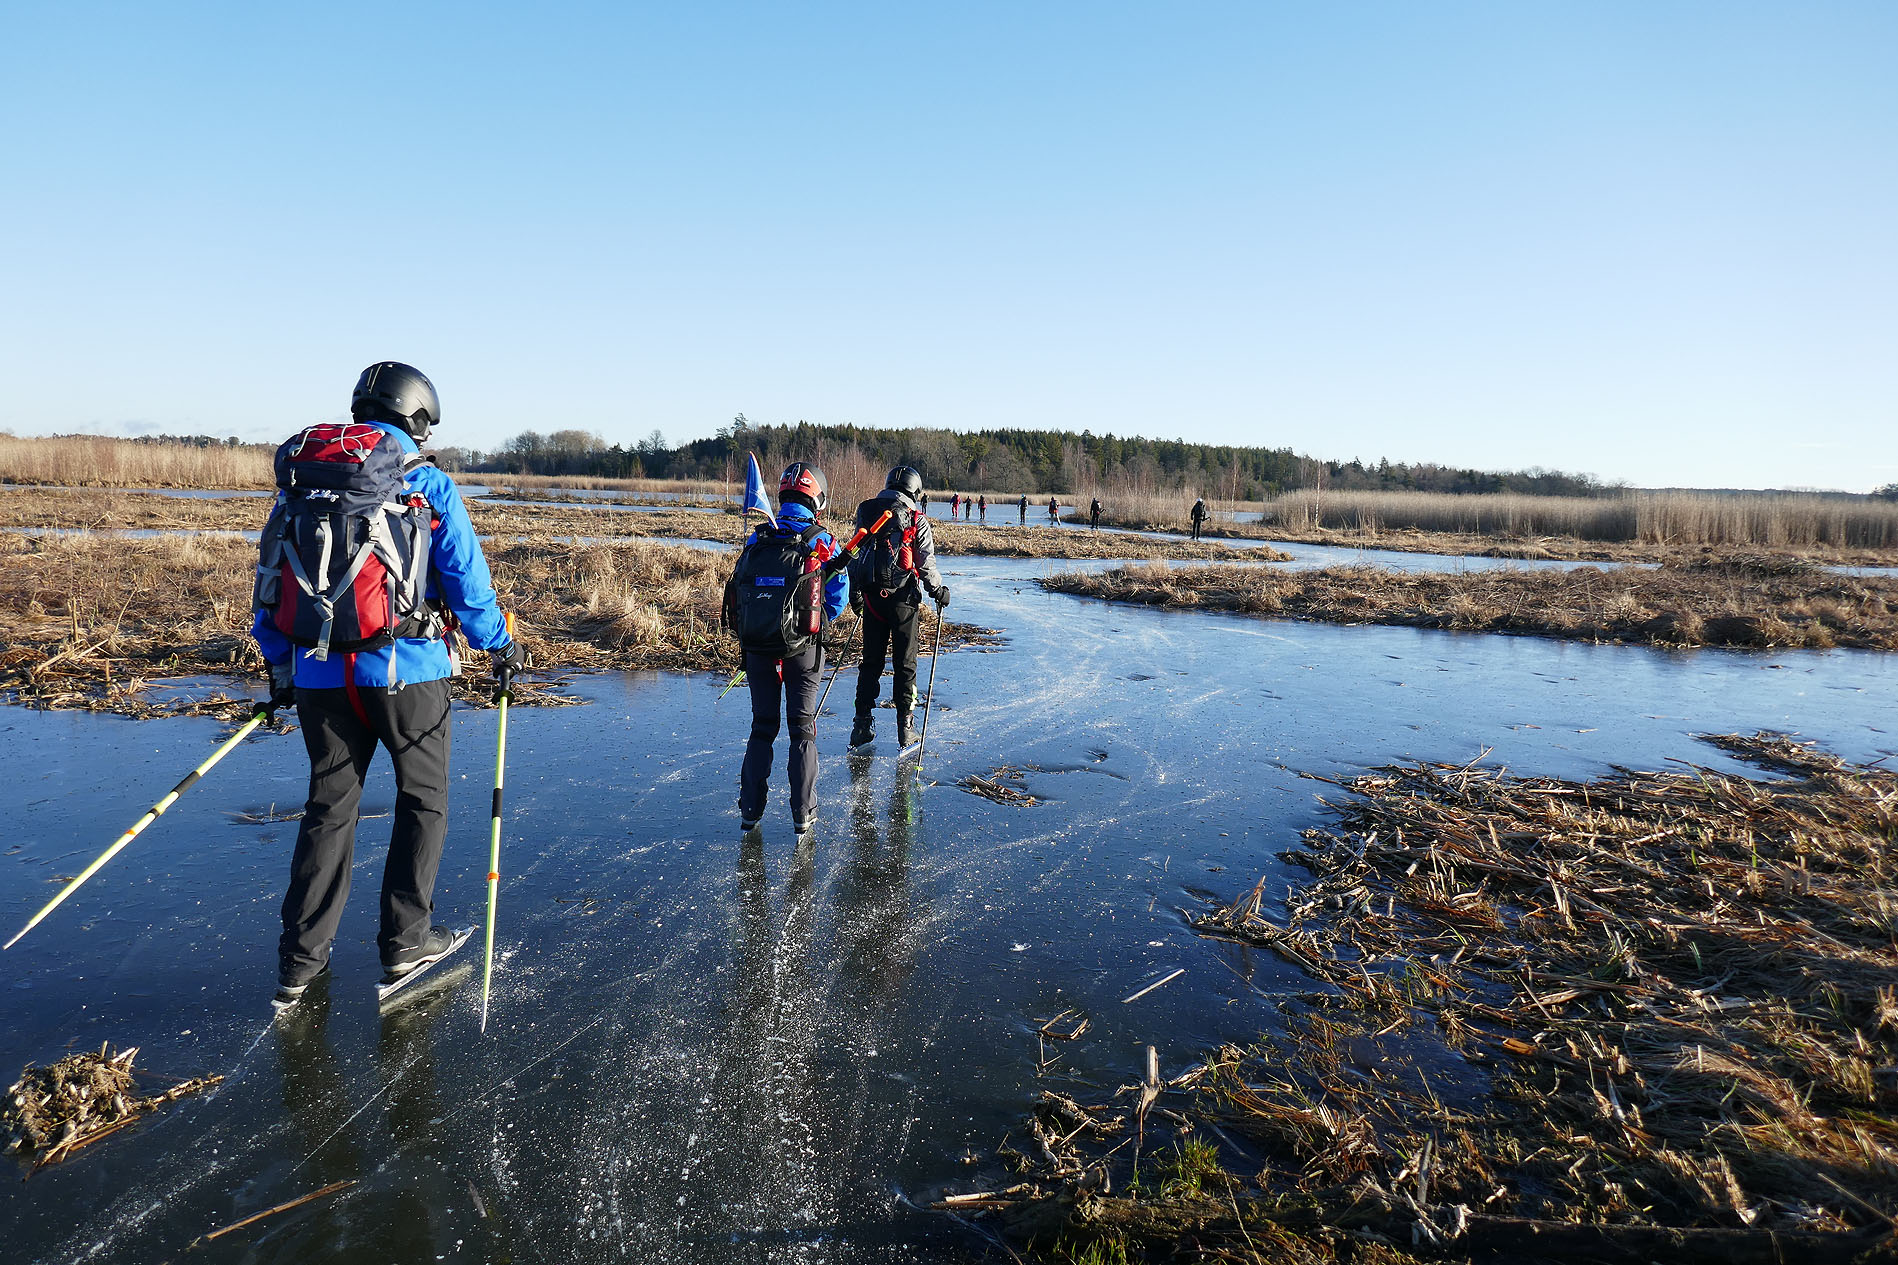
[399, 393]
[804, 483]
[905, 480]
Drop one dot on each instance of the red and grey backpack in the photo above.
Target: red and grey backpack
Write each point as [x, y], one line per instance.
[774, 601]
[343, 563]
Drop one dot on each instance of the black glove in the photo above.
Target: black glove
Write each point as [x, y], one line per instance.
[941, 595]
[283, 689]
[508, 660]
[856, 602]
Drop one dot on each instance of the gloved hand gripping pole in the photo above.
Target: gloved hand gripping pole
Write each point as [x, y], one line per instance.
[494, 836]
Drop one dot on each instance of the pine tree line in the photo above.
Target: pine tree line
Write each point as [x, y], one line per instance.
[1007, 460]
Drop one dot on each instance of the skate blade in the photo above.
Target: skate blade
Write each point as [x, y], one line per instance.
[909, 751]
[406, 983]
[864, 748]
[437, 983]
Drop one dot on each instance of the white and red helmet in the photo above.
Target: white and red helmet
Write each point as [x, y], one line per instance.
[805, 483]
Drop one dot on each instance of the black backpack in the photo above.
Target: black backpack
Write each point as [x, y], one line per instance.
[343, 561]
[774, 601]
[888, 564]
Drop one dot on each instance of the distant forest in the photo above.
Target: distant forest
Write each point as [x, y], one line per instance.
[1033, 461]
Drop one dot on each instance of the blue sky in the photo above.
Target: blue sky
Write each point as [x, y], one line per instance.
[1650, 241]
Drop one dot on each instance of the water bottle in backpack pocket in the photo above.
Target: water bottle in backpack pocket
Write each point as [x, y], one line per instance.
[890, 562]
[774, 601]
[343, 562]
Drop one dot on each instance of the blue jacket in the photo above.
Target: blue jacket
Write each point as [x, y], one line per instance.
[837, 589]
[457, 574]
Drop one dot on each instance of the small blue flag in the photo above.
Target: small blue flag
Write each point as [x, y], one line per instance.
[755, 499]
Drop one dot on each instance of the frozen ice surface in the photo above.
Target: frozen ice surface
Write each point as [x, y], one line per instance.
[709, 1048]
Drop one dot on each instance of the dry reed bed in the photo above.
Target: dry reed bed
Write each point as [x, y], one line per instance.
[95, 461]
[1635, 527]
[1650, 1016]
[1742, 601]
[92, 622]
[1763, 520]
[1044, 542]
[151, 511]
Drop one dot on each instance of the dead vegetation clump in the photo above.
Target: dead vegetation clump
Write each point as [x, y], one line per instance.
[1001, 785]
[53, 1111]
[99, 622]
[1736, 602]
[1650, 1016]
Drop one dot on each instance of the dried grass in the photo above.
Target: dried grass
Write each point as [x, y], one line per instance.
[95, 461]
[1650, 1016]
[94, 621]
[1765, 520]
[152, 511]
[1678, 986]
[1730, 603]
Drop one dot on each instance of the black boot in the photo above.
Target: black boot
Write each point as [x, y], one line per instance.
[863, 733]
[905, 735]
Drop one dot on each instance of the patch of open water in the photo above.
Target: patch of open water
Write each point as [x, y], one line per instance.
[707, 1049]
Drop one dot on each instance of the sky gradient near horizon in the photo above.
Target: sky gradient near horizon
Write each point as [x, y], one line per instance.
[1650, 242]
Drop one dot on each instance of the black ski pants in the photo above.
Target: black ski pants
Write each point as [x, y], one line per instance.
[413, 724]
[801, 676]
[888, 629]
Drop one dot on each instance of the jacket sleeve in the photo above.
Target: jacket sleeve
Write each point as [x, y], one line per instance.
[459, 568]
[275, 646]
[924, 547]
[837, 586]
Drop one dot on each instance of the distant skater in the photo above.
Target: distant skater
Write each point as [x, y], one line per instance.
[1054, 512]
[896, 567]
[983, 505]
[955, 505]
[1094, 514]
[922, 502]
[1023, 506]
[1199, 515]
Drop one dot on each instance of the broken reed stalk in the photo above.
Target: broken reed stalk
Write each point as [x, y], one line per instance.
[255, 1217]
